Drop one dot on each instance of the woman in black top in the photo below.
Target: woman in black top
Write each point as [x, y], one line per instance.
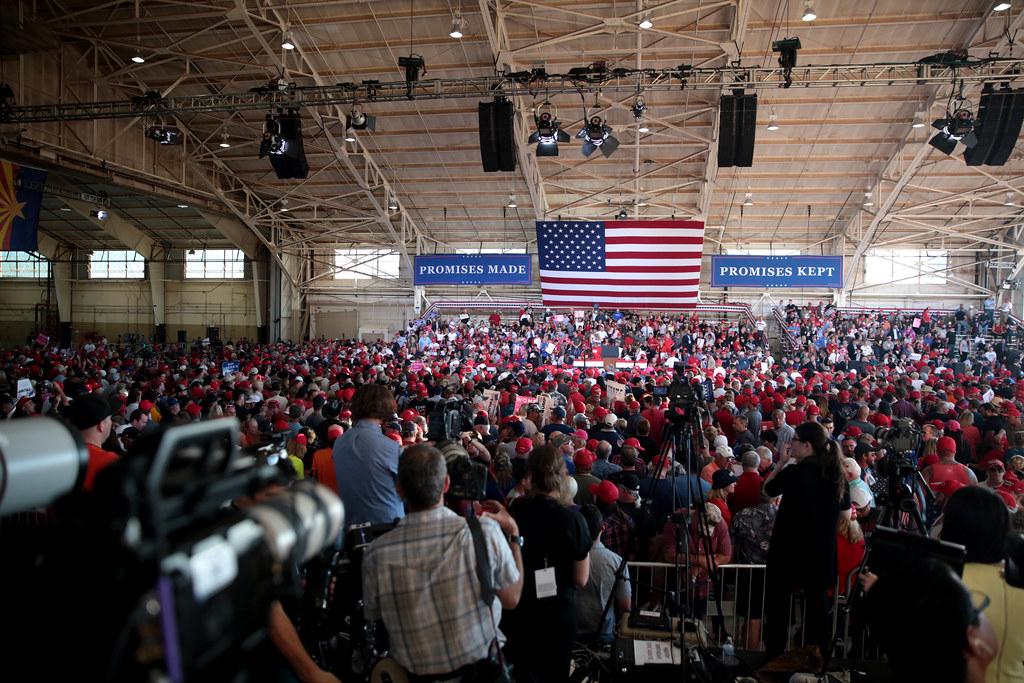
[541, 630]
[802, 553]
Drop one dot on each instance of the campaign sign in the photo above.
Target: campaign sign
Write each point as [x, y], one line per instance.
[777, 271]
[229, 367]
[473, 269]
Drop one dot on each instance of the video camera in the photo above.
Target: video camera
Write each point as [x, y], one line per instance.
[168, 568]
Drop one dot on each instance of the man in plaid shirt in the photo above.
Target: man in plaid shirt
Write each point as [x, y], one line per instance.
[420, 579]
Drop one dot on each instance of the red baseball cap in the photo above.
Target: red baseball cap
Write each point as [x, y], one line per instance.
[583, 458]
[334, 431]
[606, 492]
[946, 445]
[634, 442]
[524, 445]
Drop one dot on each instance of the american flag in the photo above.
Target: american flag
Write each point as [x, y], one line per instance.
[627, 264]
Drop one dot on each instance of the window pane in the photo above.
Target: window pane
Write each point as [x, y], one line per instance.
[22, 264]
[362, 264]
[215, 264]
[905, 266]
[762, 252]
[116, 265]
[491, 250]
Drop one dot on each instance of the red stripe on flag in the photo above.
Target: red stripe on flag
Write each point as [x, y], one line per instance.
[647, 255]
[639, 281]
[635, 304]
[653, 239]
[648, 225]
[652, 269]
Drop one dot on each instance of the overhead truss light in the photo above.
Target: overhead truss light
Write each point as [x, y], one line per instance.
[65, 208]
[808, 13]
[622, 215]
[646, 22]
[1009, 199]
[99, 214]
[548, 134]
[748, 199]
[286, 40]
[867, 198]
[773, 121]
[1001, 7]
[955, 127]
[392, 203]
[918, 120]
[224, 140]
[182, 206]
[283, 204]
[598, 135]
[512, 202]
[360, 120]
[458, 26]
[164, 135]
[138, 58]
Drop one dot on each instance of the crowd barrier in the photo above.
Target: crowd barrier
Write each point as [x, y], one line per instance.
[500, 305]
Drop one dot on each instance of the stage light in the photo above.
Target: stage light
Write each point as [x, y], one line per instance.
[598, 135]
[548, 134]
[99, 214]
[360, 120]
[1001, 7]
[138, 58]
[286, 41]
[164, 135]
[646, 22]
[224, 142]
[808, 12]
[787, 49]
[954, 128]
[773, 121]
[458, 24]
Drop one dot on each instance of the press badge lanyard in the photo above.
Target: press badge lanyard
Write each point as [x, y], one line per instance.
[545, 581]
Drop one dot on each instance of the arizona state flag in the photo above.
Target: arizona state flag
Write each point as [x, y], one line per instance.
[21, 195]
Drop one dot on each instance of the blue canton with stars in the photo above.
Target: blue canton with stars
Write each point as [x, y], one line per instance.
[575, 246]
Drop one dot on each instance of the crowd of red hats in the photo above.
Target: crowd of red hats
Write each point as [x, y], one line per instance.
[914, 371]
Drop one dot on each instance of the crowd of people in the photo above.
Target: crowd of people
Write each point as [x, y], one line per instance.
[689, 427]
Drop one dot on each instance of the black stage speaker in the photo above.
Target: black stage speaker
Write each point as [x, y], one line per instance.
[182, 336]
[292, 162]
[1000, 114]
[497, 136]
[737, 125]
[213, 333]
[160, 334]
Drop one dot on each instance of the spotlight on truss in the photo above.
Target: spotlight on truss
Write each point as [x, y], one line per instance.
[548, 134]
[598, 135]
[164, 135]
[953, 128]
[359, 120]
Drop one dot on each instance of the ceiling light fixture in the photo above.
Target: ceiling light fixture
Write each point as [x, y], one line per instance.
[1009, 200]
[138, 58]
[458, 25]
[748, 200]
[548, 134]
[286, 40]
[65, 208]
[182, 206]
[622, 215]
[284, 206]
[512, 202]
[224, 142]
[350, 135]
[99, 214]
[918, 120]
[392, 204]
[773, 121]
[1001, 7]
[808, 13]
[646, 22]
[598, 135]
[643, 127]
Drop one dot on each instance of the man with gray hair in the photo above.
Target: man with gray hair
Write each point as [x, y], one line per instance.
[421, 578]
[602, 469]
[783, 433]
[748, 485]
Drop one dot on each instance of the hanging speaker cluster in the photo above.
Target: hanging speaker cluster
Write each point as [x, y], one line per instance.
[497, 135]
[737, 124]
[997, 126]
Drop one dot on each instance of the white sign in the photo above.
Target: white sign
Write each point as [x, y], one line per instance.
[25, 388]
[616, 391]
[491, 402]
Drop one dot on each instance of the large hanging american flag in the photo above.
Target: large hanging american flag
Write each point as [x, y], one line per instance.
[625, 264]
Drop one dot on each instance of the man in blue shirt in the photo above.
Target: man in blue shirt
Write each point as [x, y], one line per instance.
[666, 499]
[366, 461]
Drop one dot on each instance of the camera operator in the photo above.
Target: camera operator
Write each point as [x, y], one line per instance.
[420, 578]
[802, 554]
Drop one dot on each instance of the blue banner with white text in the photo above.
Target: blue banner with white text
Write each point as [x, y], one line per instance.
[777, 271]
[476, 269]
